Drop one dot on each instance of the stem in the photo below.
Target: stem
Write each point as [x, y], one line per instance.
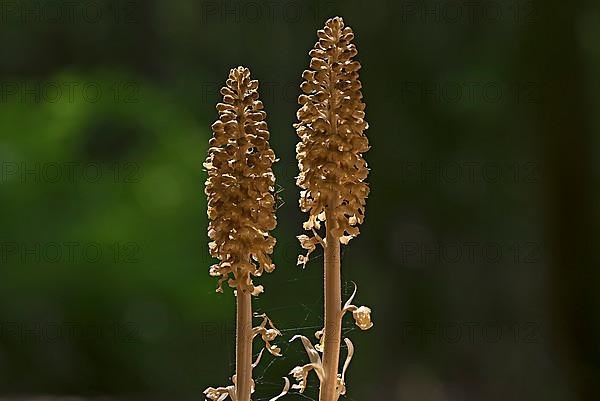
[243, 360]
[333, 308]
[243, 357]
[332, 271]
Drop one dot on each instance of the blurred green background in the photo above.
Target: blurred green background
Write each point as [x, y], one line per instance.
[478, 255]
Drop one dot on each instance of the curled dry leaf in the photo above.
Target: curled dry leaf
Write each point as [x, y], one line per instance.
[341, 385]
[300, 373]
[348, 303]
[257, 361]
[286, 388]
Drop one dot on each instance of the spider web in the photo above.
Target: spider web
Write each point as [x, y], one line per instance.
[268, 373]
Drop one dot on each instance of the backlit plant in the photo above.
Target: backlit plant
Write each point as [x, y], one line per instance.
[241, 212]
[332, 178]
[241, 204]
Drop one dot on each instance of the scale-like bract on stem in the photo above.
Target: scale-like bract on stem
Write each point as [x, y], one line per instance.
[240, 186]
[331, 128]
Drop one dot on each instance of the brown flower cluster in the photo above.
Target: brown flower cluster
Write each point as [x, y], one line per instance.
[240, 186]
[331, 127]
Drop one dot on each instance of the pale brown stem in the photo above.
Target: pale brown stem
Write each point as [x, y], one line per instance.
[243, 360]
[332, 274]
[243, 357]
[333, 310]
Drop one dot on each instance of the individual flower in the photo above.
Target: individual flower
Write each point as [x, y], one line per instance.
[268, 333]
[361, 314]
[362, 317]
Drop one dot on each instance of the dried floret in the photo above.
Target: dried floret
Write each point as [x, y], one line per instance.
[268, 333]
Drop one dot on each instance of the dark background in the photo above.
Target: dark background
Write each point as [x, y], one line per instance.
[478, 255]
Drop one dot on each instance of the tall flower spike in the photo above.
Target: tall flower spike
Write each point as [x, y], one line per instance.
[241, 212]
[332, 178]
[240, 186]
[331, 128]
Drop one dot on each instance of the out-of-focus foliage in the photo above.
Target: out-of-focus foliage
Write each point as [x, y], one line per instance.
[103, 232]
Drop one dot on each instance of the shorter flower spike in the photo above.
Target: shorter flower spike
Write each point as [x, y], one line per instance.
[241, 211]
[240, 186]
